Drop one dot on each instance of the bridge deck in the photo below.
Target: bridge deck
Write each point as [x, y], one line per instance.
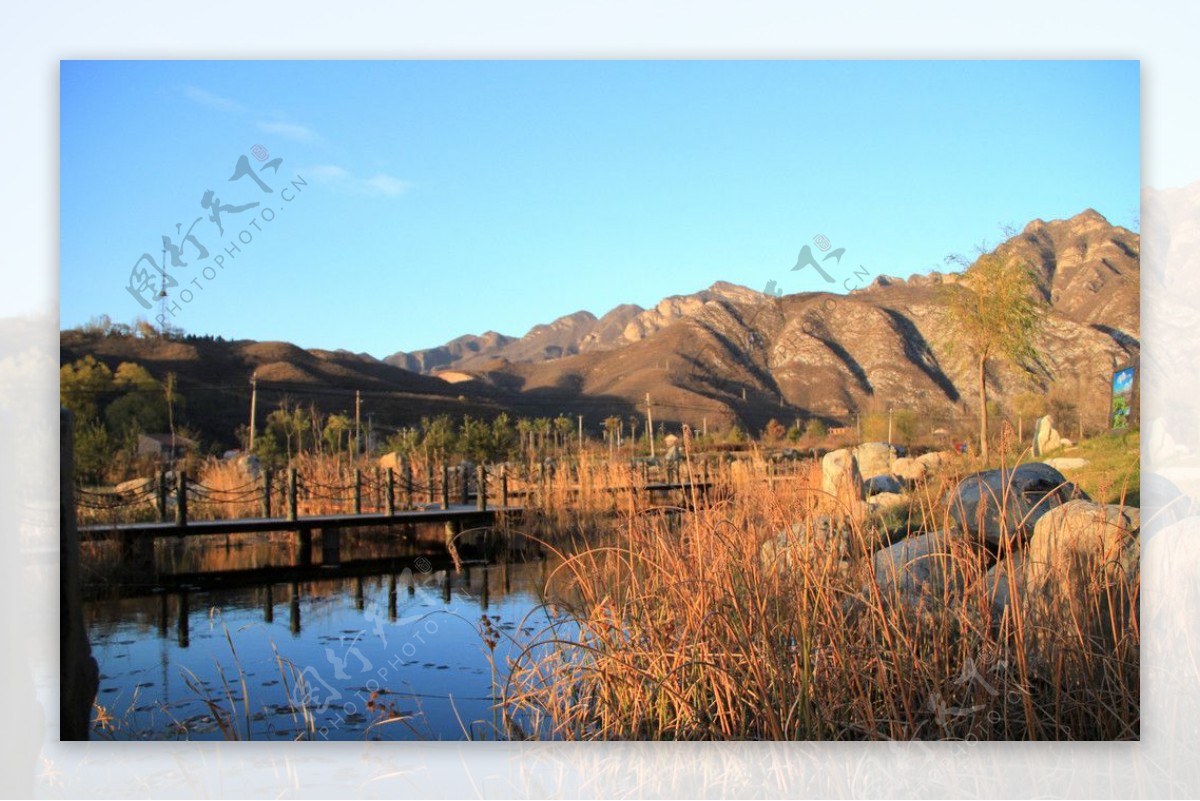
[457, 513]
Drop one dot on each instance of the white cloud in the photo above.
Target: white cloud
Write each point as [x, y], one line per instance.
[388, 185]
[329, 172]
[207, 98]
[300, 133]
[338, 177]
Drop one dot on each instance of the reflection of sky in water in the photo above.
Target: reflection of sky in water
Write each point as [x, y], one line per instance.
[1123, 381]
[425, 657]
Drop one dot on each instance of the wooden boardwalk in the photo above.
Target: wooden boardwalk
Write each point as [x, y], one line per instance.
[462, 515]
[456, 514]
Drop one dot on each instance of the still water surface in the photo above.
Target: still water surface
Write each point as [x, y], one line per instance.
[229, 641]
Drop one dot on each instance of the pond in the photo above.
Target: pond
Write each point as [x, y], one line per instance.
[231, 640]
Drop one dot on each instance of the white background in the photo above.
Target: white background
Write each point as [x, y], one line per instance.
[1163, 36]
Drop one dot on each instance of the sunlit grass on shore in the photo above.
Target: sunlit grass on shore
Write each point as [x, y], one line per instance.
[686, 631]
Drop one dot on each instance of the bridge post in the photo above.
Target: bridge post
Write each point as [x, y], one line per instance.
[358, 490]
[181, 498]
[294, 608]
[504, 485]
[445, 486]
[305, 555]
[392, 597]
[429, 479]
[266, 500]
[184, 612]
[480, 487]
[162, 494]
[391, 492]
[408, 485]
[291, 493]
[465, 478]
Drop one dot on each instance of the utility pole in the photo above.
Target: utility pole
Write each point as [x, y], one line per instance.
[650, 425]
[253, 406]
[889, 425]
[357, 422]
[581, 433]
[705, 428]
[743, 392]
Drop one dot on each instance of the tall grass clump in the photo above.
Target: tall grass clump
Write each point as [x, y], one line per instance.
[763, 615]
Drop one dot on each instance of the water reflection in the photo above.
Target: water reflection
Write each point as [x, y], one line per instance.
[193, 648]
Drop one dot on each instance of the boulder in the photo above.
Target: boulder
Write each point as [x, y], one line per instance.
[909, 470]
[817, 541]
[250, 465]
[922, 570]
[1082, 543]
[1005, 577]
[886, 500]
[934, 460]
[875, 459]
[392, 460]
[134, 486]
[1001, 507]
[1045, 437]
[1066, 463]
[876, 485]
[1082, 578]
[840, 477]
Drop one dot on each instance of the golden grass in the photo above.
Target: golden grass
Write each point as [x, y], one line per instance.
[682, 630]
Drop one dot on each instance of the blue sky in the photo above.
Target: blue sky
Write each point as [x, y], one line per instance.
[433, 199]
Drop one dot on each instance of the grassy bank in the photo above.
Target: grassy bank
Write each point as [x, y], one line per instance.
[686, 632]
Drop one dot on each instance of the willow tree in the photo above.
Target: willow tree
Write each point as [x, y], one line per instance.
[995, 315]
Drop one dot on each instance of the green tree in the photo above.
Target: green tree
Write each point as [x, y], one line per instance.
[816, 429]
[141, 405]
[94, 450]
[83, 386]
[474, 439]
[438, 439]
[405, 442]
[995, 316]
[904, 425]
[563, 428]
[504, 437]
[338, 427]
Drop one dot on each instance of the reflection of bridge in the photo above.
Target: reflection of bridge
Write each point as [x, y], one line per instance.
[408, 575]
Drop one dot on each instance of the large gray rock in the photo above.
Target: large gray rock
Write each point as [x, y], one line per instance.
[1081, 544]
[250, 465]
[876, 485]
[1082, 579]
[922, 571]
[934, 460]
[392, 460]
[909, 469]
[1066, 463]
[1045, 437]
[887, 500]
[875, 459]
[1004, 582]
[818, 541]
[840, 476]
[1001, 507]
[134, 486]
